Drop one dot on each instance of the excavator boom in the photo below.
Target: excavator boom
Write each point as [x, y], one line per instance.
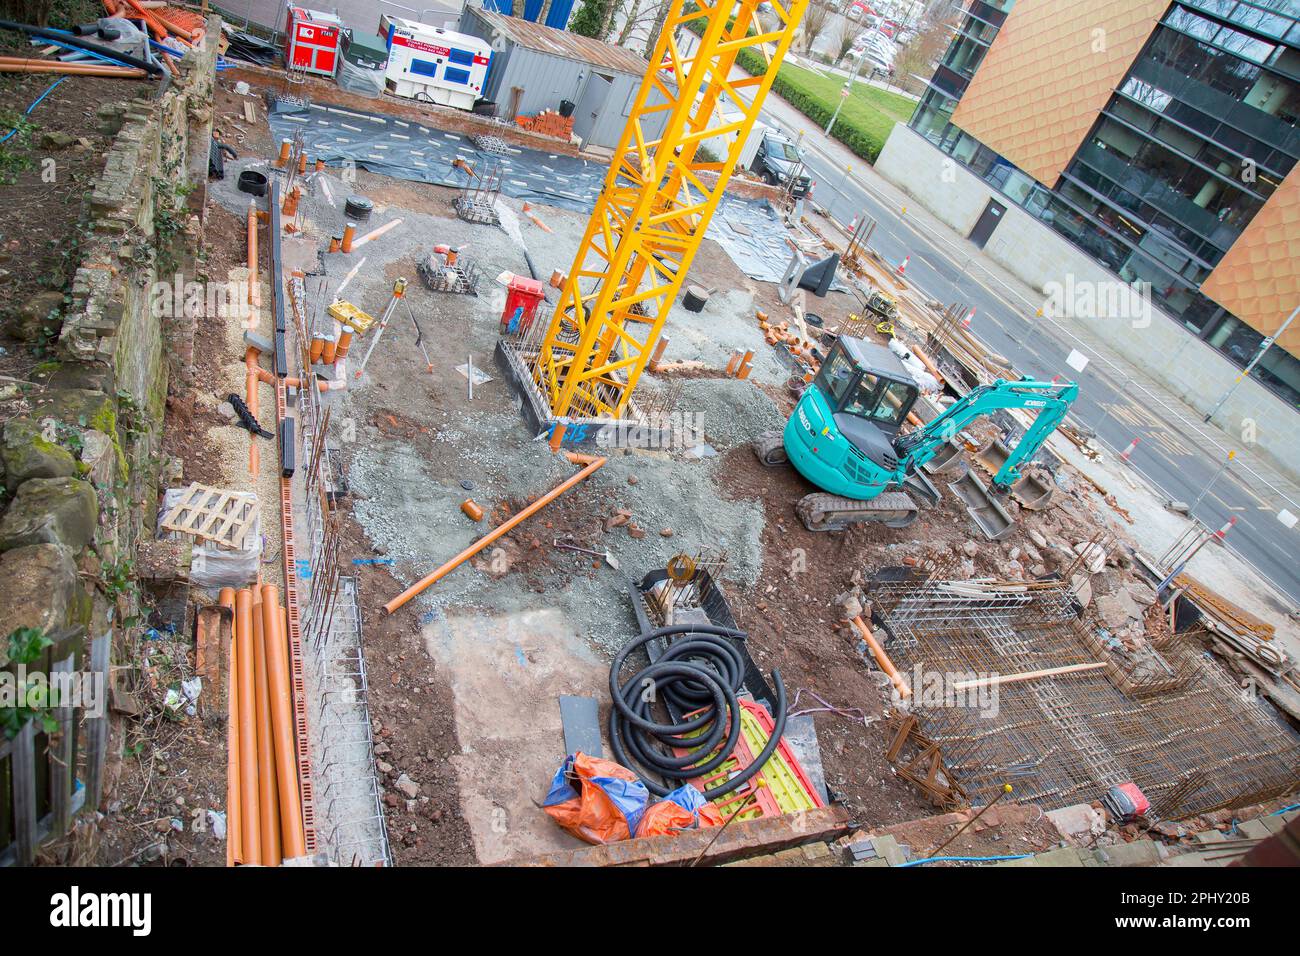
[1051, 400]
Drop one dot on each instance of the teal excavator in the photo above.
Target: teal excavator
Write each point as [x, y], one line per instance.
[844, 436]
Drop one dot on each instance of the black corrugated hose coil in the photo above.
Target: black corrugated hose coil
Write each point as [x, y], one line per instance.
[701, 671]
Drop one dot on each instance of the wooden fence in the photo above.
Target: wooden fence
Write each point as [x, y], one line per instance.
[47, 778]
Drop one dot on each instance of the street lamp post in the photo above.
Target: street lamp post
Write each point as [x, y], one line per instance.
[844, 93]
[1215, 477]
[1263, 347]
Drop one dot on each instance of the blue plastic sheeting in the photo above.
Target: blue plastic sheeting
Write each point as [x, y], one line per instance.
[749, 230]
[532, 10]
[558, 15]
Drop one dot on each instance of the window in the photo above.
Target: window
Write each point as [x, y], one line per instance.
[424, 68]
[455, 75]
[895, 402]
[461, 57]
[835, 377]
[863, 397]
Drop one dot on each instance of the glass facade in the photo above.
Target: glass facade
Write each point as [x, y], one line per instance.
[1189, 148]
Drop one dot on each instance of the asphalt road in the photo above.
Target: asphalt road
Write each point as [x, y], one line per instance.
[1175, 452]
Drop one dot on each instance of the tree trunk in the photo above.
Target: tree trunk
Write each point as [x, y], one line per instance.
[608, 23]
[661, 15]
[630, 22]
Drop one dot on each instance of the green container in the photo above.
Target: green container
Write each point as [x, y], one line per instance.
[367, 52]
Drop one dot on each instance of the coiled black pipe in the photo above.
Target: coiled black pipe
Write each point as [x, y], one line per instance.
[701, 672]
[71, 40]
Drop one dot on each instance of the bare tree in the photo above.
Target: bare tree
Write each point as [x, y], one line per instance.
[661, 15]
[815, 21]
[917, 59]
[848, 32]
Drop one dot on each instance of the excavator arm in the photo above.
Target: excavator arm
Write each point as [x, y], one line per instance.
[1051, 400]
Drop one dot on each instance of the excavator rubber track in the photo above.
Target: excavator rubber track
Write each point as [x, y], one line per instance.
[826, 512]
[769, 448]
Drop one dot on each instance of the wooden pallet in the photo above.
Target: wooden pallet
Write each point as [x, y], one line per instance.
[223, 517]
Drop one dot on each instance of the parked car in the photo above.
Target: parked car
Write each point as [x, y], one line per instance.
[857, 10]
[876, 49]
[777, 161]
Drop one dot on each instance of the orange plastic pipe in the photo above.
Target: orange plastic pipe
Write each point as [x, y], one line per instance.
[250, 812]
[254, 286]
[282, 729]
[234, 837]
[270, 829]
[349, 233]
[70, 69]
[927, 362]
[157, 29]
[502, 529]
[250, 399]
[345, 343]
[882, 658]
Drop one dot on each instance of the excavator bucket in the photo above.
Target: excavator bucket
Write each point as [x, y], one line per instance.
[1032, 491]
[947, 461]
[987, 512]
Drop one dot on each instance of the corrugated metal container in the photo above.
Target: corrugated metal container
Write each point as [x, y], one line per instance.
[535, 68]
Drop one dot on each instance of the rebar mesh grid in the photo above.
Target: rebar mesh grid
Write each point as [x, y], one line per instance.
[1189, 737]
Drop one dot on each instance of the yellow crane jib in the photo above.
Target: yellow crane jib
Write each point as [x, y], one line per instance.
[656, 203]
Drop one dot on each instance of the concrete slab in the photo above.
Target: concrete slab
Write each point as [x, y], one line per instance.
[507, 673]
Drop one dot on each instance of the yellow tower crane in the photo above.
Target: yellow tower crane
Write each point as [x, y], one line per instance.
[656, 204]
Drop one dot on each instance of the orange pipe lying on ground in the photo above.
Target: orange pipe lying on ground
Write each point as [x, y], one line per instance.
[282, 729]
[927, 362]
[250, 399]
[882, 658]
[270, 829]
[372, 234]
[254, 286]
[70, 69]
[250, 812]
[234, 836]
[592, 464]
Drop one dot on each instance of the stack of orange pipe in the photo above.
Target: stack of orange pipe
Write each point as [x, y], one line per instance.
[264, 818]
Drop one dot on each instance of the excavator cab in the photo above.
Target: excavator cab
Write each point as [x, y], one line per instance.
[866, 382]
[841, 435]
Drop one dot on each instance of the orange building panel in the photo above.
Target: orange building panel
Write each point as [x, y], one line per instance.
[1258, 280]
[1047, 75]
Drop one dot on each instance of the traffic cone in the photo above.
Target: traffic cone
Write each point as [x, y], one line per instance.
[1222, 532]
[902, 266]
[965, 323]
[1129, 450]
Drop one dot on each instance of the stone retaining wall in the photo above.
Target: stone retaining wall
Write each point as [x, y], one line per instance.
[80, 469]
